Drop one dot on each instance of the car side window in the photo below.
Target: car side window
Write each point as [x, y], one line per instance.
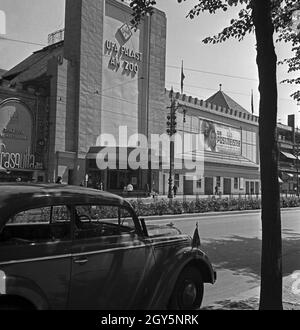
[45, 224]
[38, 215]
[102, 220]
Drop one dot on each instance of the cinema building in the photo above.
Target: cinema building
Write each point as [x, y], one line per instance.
[65, 103]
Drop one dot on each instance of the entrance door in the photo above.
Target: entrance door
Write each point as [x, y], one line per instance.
[227, 186]
[209, 186]
[188, 187]
[256, 188]
[247, 187]
[252, 188]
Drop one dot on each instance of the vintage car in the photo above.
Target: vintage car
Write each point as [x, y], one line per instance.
[66, 247]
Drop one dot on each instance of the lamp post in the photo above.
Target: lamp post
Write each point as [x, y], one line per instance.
[171, 130]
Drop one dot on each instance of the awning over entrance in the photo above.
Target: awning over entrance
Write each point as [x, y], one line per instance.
[120, 157]
[288, 155]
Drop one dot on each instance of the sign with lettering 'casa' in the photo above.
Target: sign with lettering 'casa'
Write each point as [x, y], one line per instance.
[16, 136]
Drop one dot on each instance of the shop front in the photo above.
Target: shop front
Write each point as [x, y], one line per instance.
[112, 169]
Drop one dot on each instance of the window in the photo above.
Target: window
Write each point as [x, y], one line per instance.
[49, 214]
[39, 225]
[102, 220]
[236, 183]
[40, 215]
[195, 124]
[219, 181]
[188, 123]
[249, 145]
[242, 183]
[179, 121]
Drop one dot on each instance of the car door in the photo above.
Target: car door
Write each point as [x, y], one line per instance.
[35, 256]
[110, 261]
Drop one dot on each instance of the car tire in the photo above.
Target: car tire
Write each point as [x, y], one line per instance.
[188, 290]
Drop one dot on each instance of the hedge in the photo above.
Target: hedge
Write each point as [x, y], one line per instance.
[165, 207]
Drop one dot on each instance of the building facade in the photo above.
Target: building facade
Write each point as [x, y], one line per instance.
[102, 89]
[230, 146]
[104, 75]
[289, 156]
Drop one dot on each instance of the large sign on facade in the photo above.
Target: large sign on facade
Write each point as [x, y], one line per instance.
[220, 138]
[15, 136]
[123, 69]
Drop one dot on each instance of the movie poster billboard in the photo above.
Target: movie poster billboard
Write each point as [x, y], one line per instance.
[220, 138]
[16, 126]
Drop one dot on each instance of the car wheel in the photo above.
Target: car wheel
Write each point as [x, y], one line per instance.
[188, 290]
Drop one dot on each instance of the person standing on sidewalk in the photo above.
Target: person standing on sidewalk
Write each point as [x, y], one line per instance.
[175, 188]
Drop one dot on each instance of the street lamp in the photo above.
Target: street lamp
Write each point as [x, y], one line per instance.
[171, 130]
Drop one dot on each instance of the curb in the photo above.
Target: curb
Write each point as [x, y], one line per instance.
[209, 214]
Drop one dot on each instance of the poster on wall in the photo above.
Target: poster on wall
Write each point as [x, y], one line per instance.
[220, 138]
[15, 136]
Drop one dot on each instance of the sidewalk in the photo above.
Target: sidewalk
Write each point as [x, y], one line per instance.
[249, 300]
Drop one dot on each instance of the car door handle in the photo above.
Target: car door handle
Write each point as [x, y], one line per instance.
[81, 261]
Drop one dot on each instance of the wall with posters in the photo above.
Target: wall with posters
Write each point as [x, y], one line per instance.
[221, 138]
[16, 128]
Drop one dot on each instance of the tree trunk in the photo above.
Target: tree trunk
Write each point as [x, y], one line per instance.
[271, 259]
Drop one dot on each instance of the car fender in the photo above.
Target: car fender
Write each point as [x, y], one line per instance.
[172, 269]
[26, 289]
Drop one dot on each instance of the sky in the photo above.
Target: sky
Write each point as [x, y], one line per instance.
[232, 64]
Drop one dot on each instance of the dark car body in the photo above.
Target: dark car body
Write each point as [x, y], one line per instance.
[57, 252]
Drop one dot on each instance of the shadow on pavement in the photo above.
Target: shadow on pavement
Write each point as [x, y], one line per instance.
[242, 254]
[247, 304]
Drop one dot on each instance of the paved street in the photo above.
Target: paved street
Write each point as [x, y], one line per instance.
[233, 243]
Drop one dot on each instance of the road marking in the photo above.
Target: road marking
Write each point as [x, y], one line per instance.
[2, 282]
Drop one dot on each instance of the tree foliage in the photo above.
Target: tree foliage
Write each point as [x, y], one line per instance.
[239, 27]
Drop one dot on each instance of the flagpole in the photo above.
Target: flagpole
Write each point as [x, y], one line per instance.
[252, 105]
[182, 77]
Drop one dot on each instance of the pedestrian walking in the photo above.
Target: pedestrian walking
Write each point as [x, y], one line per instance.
[175, 188]
[216, 190]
